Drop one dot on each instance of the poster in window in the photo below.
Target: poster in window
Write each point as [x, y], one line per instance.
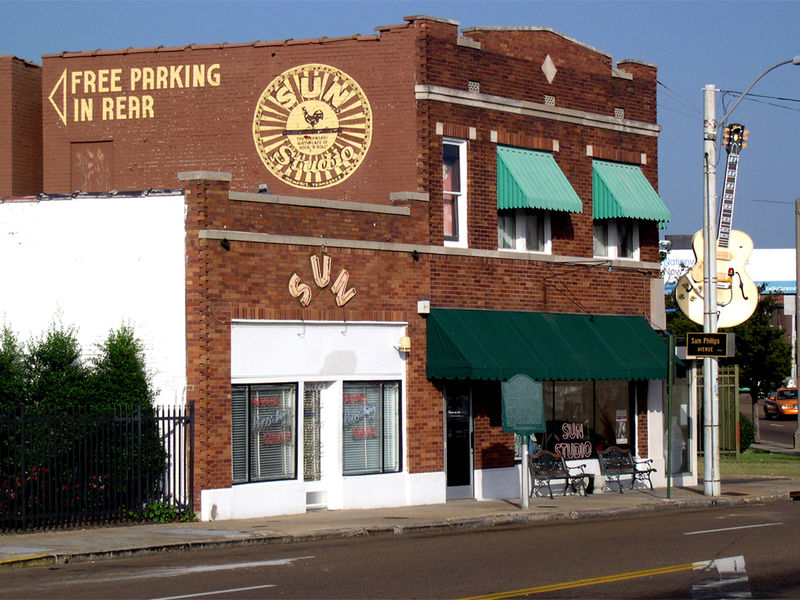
[622, 427]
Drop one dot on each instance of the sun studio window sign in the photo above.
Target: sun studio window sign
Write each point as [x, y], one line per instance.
[312, 126]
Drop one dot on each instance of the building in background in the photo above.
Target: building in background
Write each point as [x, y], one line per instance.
[377, 231]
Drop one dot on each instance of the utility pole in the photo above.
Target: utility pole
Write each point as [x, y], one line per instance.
[711, 475]
[797, 316]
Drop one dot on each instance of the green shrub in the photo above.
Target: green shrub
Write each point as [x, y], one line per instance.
[159, 512]
[12, 370]
[89, 410]
[57, 379]
[747, 433]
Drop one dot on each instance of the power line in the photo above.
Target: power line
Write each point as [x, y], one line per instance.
[680, 99]
[770, 201]
[759, 98]
[752, 95]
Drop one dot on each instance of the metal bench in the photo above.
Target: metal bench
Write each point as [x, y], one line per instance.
[545, 466]
[616, 462]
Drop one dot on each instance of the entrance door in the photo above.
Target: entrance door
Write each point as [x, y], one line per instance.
[311, 433]
[458, 440]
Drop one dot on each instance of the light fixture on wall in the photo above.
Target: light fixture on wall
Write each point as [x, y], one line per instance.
[225, 243]
[405, 345]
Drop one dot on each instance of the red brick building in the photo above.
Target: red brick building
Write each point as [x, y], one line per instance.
[379, 231]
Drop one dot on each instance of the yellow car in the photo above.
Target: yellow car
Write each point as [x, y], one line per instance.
[782, 403]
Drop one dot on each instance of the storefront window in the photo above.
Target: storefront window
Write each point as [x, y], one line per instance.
[584, 416]
[612, 427]
[572, 426]
[263, 436]
[371, 427]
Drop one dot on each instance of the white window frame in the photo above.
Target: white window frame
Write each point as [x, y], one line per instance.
[384, 425]
[611, 229]
[521, 217]
[247, 428]
[460, 240]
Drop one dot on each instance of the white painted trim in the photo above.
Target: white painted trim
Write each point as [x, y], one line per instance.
[318, 242]
[435, 93]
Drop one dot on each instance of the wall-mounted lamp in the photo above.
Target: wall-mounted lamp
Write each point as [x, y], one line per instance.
[225, 243]
[405, 344]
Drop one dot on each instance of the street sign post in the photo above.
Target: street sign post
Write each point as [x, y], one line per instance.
[523, 414]
[705, 344]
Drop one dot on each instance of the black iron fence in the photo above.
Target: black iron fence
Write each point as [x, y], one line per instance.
[94, 466]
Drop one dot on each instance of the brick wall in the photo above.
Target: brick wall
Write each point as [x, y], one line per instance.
[210, 127]
[20, 127]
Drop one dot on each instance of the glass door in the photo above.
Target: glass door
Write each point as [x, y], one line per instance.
[458, 440]
[311, 433]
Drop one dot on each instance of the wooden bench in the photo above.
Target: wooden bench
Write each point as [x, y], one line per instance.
[545, 466]
[616, 463]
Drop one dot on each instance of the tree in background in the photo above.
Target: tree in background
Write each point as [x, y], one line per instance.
[762, 353]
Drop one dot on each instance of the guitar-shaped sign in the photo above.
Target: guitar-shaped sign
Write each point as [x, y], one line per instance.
[737, 295]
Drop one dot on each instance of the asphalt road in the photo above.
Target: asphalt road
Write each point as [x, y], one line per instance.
[775, 432]
[743, 551]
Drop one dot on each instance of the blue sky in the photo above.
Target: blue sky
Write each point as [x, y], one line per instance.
[693, 43]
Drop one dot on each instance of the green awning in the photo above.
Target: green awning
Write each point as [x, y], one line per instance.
[622, 191]
[531, 179]
[496, 345]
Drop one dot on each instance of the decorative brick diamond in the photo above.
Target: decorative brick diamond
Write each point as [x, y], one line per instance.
[549, 69]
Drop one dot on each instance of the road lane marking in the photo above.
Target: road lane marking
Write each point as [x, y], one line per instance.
[553, 587]
[731, 581]
[215, 592]
[162, 572]
[730, 528]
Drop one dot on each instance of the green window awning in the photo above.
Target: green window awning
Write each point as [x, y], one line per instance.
[496, 345]
[622, 191]
[532, 179]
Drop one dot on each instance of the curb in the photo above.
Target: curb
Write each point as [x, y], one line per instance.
[34, 560]
[509, 519]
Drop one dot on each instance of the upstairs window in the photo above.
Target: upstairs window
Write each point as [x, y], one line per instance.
[622, 198]
[523, 230]
[530, 188]
[616, 238]
[454, 186]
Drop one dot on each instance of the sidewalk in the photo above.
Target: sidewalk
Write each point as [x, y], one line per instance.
[103, 542]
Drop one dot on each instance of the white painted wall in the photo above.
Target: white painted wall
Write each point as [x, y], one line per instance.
[95, 263]
[328, 353]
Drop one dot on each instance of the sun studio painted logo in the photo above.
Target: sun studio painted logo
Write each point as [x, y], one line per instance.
[312, 126]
